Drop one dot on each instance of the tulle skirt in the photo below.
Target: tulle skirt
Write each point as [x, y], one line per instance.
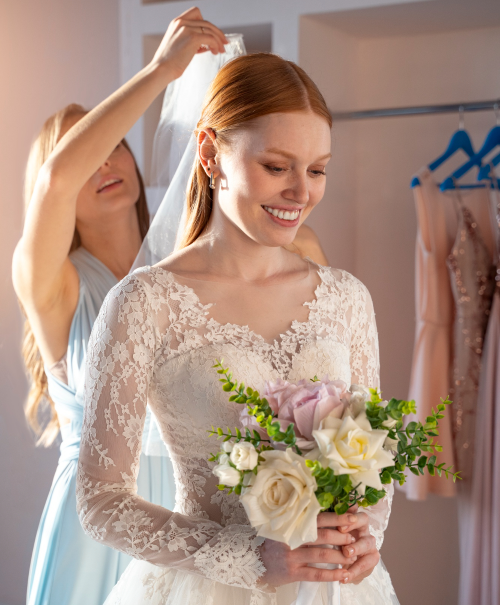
[145, 584]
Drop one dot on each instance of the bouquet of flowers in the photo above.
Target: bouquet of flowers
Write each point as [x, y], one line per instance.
[318, 445]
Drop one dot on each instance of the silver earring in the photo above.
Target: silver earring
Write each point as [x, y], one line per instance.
[212, 180]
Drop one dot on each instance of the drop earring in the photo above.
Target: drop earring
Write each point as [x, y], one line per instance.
[212, 180]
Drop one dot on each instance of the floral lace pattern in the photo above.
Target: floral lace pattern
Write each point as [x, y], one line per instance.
[155, 343]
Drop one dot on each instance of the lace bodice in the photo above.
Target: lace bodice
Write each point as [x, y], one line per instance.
[155, 342]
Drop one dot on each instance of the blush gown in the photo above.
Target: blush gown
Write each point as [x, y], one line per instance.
[155, 342]
[480, 581]
[432, 353]
[473, 283]
[67, 566]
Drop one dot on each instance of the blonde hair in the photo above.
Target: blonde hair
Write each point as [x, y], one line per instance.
[38, 396]
[246, 88]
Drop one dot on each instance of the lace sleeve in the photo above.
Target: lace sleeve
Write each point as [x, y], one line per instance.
[365, 368]
[379, 515]
[120, 367]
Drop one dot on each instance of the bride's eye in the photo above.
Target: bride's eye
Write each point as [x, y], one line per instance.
[274, 169]
[318, 172]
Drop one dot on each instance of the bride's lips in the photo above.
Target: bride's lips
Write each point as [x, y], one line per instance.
[281, 221]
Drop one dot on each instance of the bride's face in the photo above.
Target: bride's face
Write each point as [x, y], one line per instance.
[274, 167]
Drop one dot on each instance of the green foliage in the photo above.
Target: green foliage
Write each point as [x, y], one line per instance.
[416, 447]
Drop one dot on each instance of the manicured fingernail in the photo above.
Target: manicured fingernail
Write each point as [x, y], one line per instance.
[345, 579]
[350, 551]
[353, 539]
[351, 518]
[344, 528]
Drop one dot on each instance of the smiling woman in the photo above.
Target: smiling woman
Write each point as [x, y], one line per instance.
[232, 290]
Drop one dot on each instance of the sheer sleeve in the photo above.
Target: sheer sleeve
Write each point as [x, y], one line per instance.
[120, 368]
[365, 365]
[365, 370]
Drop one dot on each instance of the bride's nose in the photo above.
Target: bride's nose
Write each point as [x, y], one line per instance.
[298, 190]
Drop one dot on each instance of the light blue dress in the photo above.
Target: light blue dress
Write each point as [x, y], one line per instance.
[67, 566]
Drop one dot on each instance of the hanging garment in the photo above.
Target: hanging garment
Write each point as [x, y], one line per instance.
[472, 282]
[434, 316]
[480, 575]
[67, 566]
[156, 329]
[472, 279]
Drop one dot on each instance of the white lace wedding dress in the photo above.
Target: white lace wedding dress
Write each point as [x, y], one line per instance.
[154, 341]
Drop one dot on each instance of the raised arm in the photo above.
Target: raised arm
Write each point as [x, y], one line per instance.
[121, 360]
[44, 278]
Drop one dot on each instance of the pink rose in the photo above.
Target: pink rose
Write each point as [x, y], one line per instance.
[304, 403]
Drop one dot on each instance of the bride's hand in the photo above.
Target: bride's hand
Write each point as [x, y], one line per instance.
[364, 548]
[284, 565]
[186, 36]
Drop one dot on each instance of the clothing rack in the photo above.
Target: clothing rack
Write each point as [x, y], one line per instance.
[416, 111]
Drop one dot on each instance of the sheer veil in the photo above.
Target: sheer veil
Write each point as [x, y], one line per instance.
[174, 150]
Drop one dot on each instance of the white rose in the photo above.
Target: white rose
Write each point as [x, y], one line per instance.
[244, 456]
[226, 473]
[281, 502]
[351, 447]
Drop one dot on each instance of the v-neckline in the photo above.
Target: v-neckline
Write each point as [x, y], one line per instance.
[245, 329]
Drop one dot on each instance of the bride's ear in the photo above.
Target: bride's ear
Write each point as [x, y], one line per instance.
[207, 151]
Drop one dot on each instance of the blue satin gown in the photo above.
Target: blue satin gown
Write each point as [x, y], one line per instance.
[68, 567]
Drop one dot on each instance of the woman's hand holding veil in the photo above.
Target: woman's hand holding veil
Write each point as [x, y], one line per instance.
[186, 36]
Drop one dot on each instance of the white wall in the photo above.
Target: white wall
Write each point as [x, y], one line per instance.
[51, 53]
[369, 191]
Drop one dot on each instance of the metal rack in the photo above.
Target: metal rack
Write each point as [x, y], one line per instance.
[416, 111]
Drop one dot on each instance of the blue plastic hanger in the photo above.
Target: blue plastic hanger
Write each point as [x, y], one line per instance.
[459, 140]
[492, 141]
[485, 171]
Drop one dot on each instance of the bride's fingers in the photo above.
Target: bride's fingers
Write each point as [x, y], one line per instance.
[334, 520]
[313, 574]
[332, 536]
[305, 556]
[357, 521]
[364, 566]
[361, 547]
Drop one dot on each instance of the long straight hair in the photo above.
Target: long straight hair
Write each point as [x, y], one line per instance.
[38, 395]
[246, 88]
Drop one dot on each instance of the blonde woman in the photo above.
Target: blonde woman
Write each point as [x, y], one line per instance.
[80, 238]
[231, 291]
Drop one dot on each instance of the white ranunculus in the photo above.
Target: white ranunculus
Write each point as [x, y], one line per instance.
[358, 399]
[350, 446]
[227, 446]
[244, 456]
[390, 423]
[281, 502]
[391, 445]
[226, 473]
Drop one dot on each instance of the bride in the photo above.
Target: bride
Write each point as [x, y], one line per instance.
[231, 291]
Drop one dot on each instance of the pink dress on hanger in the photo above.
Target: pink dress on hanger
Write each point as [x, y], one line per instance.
[480, 577]
[432, 354]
